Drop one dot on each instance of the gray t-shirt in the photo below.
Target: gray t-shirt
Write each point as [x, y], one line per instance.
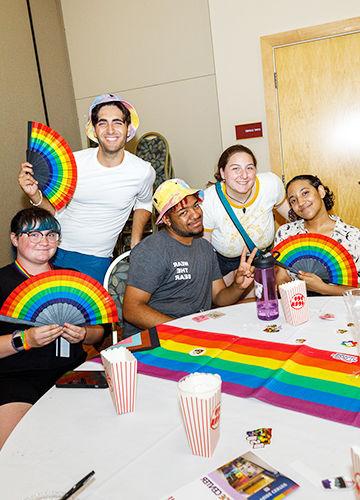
[179, 277]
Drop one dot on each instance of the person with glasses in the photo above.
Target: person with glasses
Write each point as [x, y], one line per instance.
[28, 365]
[37, 236]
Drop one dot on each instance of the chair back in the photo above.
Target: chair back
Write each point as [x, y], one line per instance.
[115, 283]
[154, 148]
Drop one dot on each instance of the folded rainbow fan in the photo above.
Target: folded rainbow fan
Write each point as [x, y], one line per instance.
[53, 164]
[318, 254]
[58, 297]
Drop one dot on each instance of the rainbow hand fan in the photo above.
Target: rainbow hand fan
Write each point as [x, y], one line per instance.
[53, 164]
[58, 297]
[318, 254]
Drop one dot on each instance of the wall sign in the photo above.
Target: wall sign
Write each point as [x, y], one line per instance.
[248, 130]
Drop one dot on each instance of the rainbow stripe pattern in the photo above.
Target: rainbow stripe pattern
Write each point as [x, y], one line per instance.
[58, 297]
[53, 163]
[296, 377]
[324, 252]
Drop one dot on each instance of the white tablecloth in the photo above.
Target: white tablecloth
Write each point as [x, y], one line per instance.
[145, 455]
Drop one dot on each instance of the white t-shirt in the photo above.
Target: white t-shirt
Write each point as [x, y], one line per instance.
[102, 202]
[258, 219]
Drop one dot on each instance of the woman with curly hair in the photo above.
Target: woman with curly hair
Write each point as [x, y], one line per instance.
[310, 203]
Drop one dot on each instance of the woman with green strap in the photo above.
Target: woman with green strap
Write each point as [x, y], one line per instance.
[252, 196]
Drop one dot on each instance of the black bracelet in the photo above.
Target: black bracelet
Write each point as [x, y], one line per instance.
[16, 341]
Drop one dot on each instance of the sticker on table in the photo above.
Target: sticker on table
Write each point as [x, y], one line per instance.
[347, 358]
[199, 351]
[258, 438]
[327, 316]
[337, 483]
[215, 314]
[199, 319]
[341, 331]
[272, 328]
[349, 343]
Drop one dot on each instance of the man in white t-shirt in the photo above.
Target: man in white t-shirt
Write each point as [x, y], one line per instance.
[111, 182]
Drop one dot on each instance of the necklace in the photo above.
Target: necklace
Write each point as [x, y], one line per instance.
[241, 202]
[23, 270]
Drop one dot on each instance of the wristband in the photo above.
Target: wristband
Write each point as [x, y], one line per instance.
[23, 338]
[39, 203]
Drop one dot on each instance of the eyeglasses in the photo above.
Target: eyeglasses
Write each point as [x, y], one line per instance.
[38, 236]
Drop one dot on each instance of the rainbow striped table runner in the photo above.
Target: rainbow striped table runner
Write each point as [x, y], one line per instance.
[296, 377]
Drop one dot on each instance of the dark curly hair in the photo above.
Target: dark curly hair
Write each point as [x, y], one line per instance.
[224, 158]
[328, 199]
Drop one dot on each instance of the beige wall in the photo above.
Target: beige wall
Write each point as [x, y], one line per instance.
[191, 68]
[237, 26]
[21, 95]
[158, 55]
[55, 69]
[20, 101]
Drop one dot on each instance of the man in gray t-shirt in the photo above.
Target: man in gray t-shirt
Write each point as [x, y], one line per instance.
[175, 272]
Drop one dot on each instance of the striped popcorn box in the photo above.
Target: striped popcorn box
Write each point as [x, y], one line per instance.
[355, 457]
[352, 302]
[199, 398]
[121, 371]
[294, 302]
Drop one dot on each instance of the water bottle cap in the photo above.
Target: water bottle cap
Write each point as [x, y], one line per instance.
[264, 261]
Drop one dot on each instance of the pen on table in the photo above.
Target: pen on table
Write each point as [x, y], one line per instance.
[77, 486]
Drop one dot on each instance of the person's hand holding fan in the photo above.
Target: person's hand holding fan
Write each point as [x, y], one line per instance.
[58, 297]
[317, 254]
[53, 164]
[59, 300]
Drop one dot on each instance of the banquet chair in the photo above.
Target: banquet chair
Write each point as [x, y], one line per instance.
[115, 282]
[154, 148]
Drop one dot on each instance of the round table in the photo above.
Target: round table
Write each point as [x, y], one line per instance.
[144, 455]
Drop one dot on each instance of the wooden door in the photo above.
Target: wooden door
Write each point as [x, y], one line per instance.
[317, 93]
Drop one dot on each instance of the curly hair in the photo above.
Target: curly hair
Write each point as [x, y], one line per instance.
[225, 156]
[328, 199]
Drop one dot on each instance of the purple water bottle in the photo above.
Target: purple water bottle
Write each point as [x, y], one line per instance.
[265, 288]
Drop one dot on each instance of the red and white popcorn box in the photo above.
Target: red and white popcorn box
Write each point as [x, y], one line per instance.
[121, 373]
[355, 457]
[294, 302]
[352, 302]
[200, 400]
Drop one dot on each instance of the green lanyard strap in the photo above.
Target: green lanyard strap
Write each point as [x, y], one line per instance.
[248, 241]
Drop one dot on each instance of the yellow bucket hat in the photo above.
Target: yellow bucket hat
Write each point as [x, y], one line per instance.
[170, 193]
